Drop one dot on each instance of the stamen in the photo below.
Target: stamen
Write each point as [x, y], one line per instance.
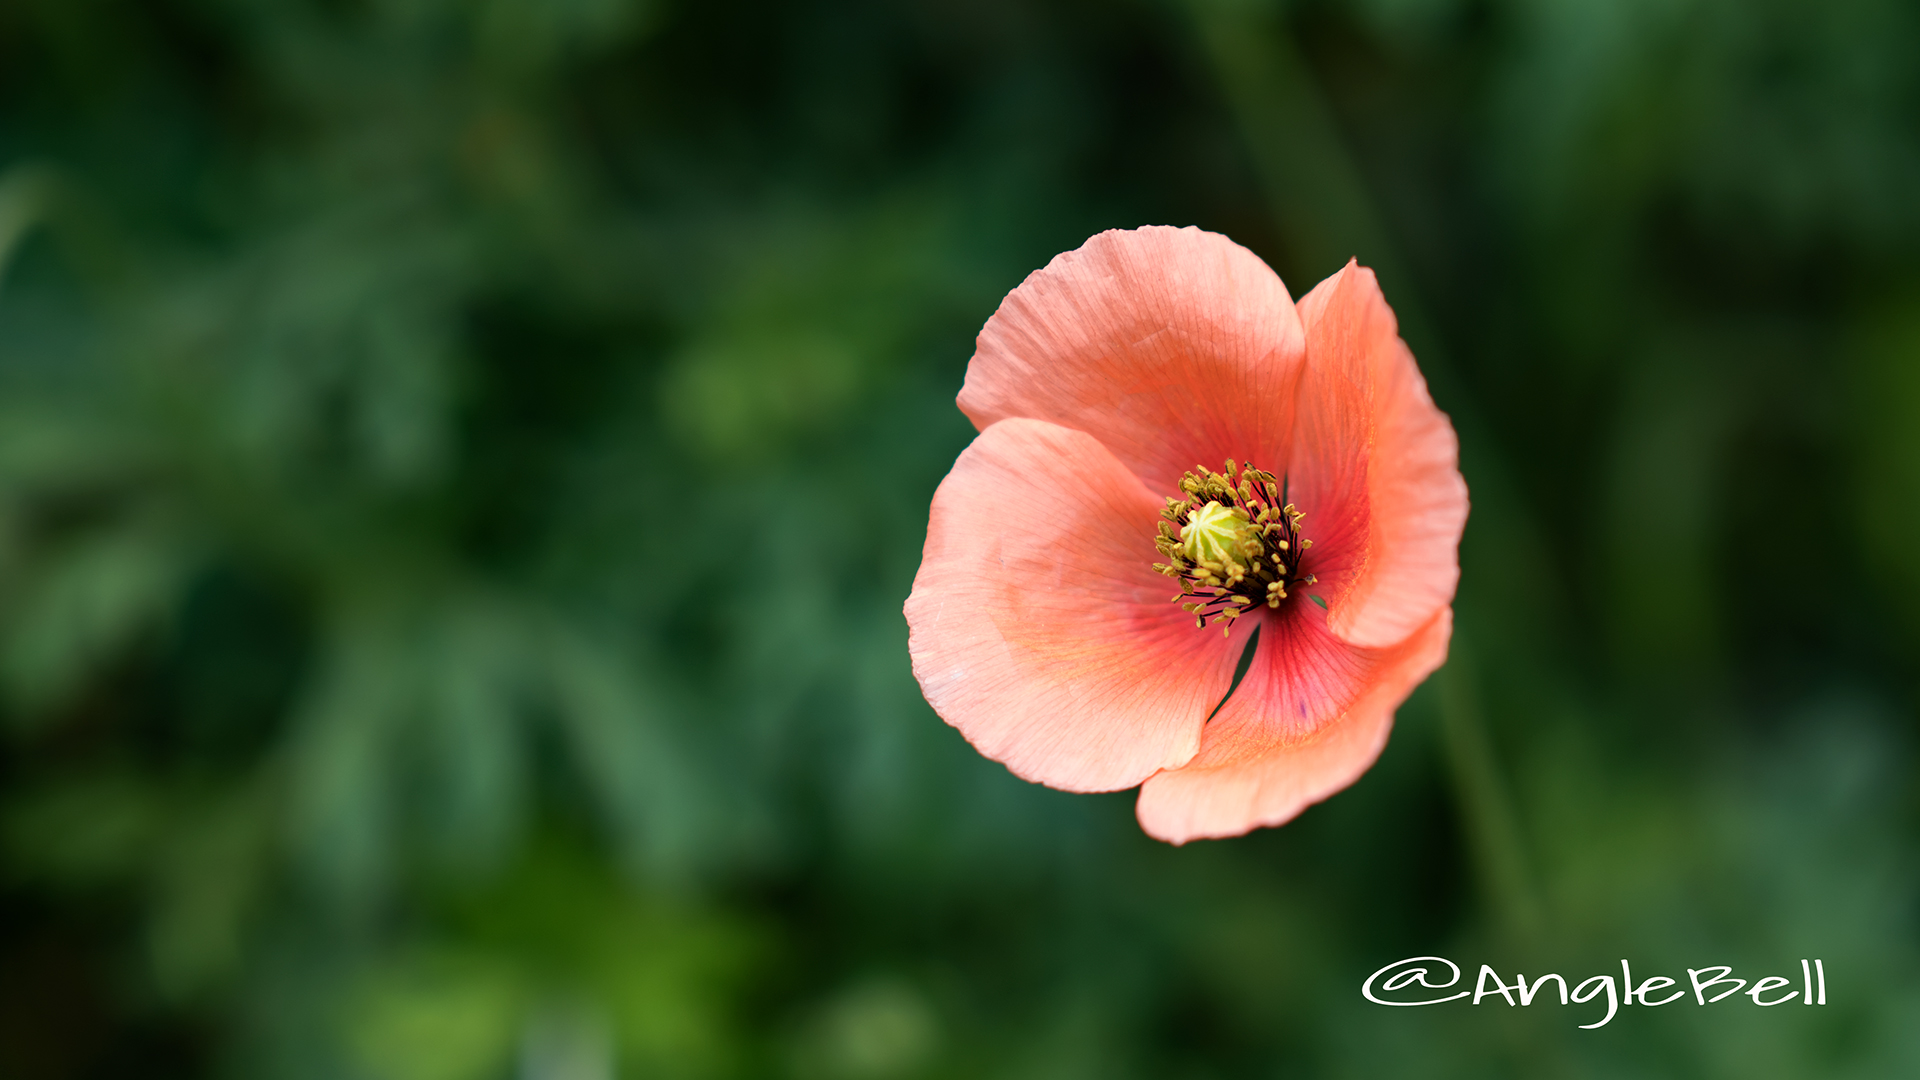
[1231, 543]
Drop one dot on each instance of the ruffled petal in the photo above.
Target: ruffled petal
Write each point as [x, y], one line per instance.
[1037, 625]
[1375, 467]
[1282, 743]
[1173, 347]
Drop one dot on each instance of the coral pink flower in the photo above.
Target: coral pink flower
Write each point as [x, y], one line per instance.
[1106, 388]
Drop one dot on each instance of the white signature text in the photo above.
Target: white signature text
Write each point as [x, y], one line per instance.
[1415, 980]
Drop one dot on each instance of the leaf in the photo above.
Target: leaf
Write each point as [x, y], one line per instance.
[85, 604]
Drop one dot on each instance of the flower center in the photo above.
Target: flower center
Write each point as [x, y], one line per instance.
[1231, 543]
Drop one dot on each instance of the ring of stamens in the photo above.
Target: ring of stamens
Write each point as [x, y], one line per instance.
[1233, 543]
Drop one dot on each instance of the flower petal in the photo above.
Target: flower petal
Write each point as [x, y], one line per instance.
[1173, 347]
[1375, 466]
[1038, 626]
[1263, 760]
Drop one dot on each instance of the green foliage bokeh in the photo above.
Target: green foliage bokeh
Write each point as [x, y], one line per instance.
[461, 462]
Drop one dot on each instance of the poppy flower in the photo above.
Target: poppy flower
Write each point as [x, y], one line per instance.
[1158, 417]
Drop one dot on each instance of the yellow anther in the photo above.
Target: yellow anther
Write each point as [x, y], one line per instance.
[1230, 535]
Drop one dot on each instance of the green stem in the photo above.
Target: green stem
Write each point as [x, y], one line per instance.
[1485, 805]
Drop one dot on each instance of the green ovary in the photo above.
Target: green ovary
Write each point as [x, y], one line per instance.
[1216, 534]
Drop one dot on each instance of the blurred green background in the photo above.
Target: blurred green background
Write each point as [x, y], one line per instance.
[461, 464]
